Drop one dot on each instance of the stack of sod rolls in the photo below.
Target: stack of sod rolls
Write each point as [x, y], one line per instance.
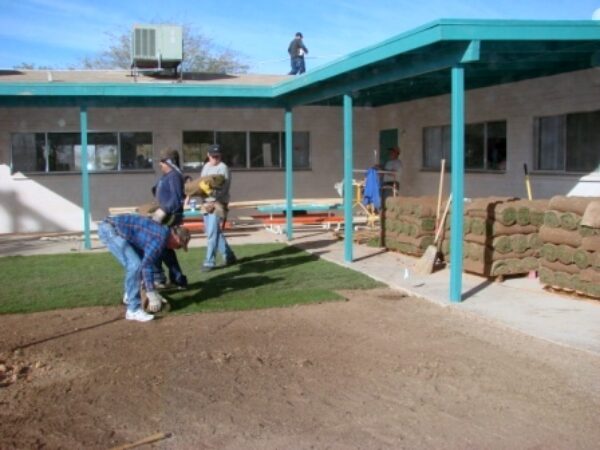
[571, 250]
[501, 236]
[410, 224]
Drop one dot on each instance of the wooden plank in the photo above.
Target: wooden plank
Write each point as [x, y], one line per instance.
[255, 203]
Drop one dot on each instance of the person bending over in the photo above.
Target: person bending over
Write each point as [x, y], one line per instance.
[138, 242]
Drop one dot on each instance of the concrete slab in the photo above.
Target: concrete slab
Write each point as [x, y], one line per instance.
[521, 304]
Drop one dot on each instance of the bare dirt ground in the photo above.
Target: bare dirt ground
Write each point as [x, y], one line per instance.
[377, 371]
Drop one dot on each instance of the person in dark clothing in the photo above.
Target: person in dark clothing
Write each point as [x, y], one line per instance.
[170, 196]
[297, 50]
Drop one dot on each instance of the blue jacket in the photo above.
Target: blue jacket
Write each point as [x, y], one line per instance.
[372, 193]
[170, 194]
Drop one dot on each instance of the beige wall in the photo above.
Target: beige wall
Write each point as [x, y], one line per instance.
[53, 202]
[518, 104]
[23, 198]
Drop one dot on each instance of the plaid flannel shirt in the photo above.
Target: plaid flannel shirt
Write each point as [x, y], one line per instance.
[145, 235]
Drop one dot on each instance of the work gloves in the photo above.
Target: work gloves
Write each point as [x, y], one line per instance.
[155, 301]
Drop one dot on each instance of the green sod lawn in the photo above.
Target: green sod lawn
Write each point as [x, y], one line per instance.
[268, 275]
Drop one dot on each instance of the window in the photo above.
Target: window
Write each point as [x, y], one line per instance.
[436, 146]
[246, 149]
[485, 146]
[265, 150]
[28, 152]
[233, 148]
[195, 147]
[136, 151]
[61, 151]
[64, 151]
[102, 152]
[568, 143]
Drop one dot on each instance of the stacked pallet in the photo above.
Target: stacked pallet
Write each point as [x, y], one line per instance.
[501, 236]
[410, 224]
[571, 247]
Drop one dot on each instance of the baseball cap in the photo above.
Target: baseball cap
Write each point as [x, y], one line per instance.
[184, 236]
[214, 149]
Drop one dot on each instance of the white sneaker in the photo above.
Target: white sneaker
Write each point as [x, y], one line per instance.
[138, 315]
[125, 299]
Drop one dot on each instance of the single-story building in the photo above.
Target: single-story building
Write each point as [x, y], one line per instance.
[524, 92]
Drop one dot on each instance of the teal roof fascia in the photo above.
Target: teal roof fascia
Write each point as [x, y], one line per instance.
[402, 43]
[520, 30]
[133, 90]
[447, 30]
[435, 59]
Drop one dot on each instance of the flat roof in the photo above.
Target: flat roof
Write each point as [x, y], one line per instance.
[407, 66]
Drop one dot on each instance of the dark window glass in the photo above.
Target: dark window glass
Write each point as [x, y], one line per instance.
[233, 147]
[61, 152]
[583, 142]
[28, 152]
[264, 150]
[136, 150]
[195, 148]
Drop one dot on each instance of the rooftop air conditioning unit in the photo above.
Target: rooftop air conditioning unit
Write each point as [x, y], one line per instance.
[156, 46]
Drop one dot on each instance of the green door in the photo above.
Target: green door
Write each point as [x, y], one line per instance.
[387, 139]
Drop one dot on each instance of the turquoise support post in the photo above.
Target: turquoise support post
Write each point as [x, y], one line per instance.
[348, 188]
[289, 184]
[85, 178]
[458, 169]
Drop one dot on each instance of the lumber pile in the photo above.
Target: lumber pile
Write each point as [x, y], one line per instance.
[501, 236]
[410, 224]
[571, 245]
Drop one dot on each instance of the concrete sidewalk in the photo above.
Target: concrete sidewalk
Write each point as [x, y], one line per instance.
[518, 303]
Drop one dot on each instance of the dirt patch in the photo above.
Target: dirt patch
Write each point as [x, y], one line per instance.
[380, 370]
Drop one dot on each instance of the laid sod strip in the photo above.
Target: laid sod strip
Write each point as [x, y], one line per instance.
[268, 275]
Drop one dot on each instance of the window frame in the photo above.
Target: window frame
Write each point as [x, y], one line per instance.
[563, 133]
[76, 146]
[446, 143]
[247, 166]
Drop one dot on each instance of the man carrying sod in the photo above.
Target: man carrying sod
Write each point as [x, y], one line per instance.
[138, 243]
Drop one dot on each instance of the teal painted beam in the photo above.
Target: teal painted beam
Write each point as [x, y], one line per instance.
[400, 68]
[138, 102]
[403, 43]
[132, 90]
[289, 173]
[447, 30]
[520, 30]
[457, 132]
[348, 188]
[472, 52]
[85, 177]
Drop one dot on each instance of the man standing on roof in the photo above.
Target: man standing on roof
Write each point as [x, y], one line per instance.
[297, 50]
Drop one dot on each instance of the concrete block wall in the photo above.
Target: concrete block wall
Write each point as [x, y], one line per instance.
[56, 198]
[518, 104]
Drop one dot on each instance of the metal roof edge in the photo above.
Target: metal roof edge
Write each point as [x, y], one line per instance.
[408, 40]
[449, 30]
[134, 90]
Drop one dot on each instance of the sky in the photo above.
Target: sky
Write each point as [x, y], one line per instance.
[60, 33]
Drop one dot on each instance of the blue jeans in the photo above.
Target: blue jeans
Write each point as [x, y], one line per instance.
[176, 276]
[128, 258]
[298, 65]
[215, 241]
